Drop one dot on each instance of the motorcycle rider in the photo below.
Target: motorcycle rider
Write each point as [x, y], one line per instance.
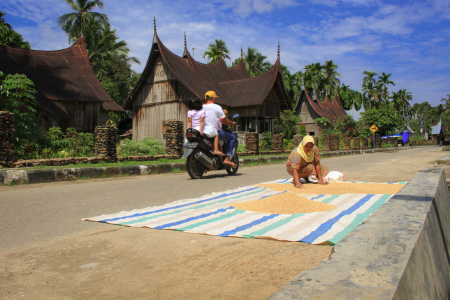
[214, 114]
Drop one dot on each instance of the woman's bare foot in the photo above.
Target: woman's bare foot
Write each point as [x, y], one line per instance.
[227, 161]
[219, 153]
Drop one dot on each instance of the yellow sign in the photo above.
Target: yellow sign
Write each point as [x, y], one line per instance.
[374, 128]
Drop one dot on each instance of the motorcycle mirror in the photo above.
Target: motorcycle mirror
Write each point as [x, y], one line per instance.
[236, 115]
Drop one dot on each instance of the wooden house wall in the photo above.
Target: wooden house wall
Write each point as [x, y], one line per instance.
[308, 115]
[85, 116]
[160, 99]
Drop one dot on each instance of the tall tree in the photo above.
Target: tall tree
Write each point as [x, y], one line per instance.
[331, 74]
[292, 84]
[401, 102]
[384, 80]
[447, 101]
[10, 37]
[74, 23]
[255, 62]
[216, 51]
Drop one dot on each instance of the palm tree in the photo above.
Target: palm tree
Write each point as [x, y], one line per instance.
[292, 84]
[370, 77]
[10, 37]
[401, 101]
[216, 51]
[447, 101]
[255, 62]
[74, 23]
[102, 45]
[316, 77]
[329, 72]
[384, 81]
[3, 23]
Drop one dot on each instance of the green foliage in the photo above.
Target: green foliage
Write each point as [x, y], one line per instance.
[69, 144]
[10, 37]
[266, 141]
[302, 130]
[349, 96]
[288, 144]
[148, 146]
[387, 145]
[216, 51]
[241, 148]
[346, 125]
[288, 123]
[17, 96]
[322, 121]
[384, 118]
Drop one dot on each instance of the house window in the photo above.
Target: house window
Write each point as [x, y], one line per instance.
[311, 133]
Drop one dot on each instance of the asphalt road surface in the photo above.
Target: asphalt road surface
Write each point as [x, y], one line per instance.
[38, 212]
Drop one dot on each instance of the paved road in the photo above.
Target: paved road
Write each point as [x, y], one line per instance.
[34, 213]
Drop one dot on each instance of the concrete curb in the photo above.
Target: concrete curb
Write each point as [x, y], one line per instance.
[400, 252]
[15, 177]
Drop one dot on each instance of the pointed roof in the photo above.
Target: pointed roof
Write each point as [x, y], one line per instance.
[332, 110]
[437, 129]
[354, 113]
[233, 85]
[58, 76]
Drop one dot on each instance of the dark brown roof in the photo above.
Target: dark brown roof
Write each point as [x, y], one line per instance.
[234, 86]
[326, 109]
[58, 76]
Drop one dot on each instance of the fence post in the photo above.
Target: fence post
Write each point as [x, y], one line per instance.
[174, 137]
[105, 142]
[252, 142]
[277, 142]
[6, 139]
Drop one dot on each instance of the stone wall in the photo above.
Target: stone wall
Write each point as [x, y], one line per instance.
[326, 142]
[252, 142]
[277, 142]
[356, 143]
[6, 139]
[334, 142]
[297, 140]
[347, 141]
[105, 140]
[174, 137]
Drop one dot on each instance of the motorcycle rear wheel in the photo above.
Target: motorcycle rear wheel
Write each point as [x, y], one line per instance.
[194, 168]
[232, 171]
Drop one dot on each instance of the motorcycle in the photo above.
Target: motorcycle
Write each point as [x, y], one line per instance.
[200, 157]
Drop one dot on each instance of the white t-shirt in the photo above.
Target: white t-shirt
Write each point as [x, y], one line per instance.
[214, 113]
[196, 116]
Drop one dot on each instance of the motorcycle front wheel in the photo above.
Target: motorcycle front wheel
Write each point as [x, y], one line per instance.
[194, 167]
[232, 171]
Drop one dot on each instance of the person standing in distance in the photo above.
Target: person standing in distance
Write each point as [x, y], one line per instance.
[214, 114]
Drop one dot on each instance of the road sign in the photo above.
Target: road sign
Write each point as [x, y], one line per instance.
[374, 128]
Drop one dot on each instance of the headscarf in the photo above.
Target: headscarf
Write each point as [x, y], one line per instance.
[308, 157]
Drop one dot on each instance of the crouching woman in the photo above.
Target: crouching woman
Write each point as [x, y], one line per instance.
[304, 162]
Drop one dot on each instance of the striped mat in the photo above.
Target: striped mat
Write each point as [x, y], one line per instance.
[213, 215]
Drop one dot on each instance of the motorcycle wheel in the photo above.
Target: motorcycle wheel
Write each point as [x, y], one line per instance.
[194, 167]
[232, 171]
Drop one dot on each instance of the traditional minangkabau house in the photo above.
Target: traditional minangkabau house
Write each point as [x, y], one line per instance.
[169, 81]
[310, 109]
[68, 92]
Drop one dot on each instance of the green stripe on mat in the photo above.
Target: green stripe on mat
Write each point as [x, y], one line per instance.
[328, 200]
[273, 226]
[191, 208]
[359, 219]
[229, 215]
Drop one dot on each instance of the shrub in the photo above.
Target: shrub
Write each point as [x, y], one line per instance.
[58, 144]
[241, 148]
[266, 141]
[288, 144]
[148, 146]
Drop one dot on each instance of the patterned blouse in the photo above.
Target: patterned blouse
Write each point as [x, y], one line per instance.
[295, 161]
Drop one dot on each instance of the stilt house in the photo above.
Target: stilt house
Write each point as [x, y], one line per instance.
[169, 80]
[68, 92]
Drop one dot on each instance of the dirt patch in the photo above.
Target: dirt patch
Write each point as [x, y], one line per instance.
[136, 263]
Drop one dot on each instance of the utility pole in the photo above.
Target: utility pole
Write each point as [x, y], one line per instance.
[193, 52]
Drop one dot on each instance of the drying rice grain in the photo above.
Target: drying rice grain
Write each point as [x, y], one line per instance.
[285, 203]
[337, 188]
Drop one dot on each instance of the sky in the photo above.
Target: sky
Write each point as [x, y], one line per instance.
[409, 39]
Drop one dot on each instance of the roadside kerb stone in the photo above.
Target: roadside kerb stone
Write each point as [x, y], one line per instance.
[68, 174]
[16, 177]
[400, 252]
[41, 176]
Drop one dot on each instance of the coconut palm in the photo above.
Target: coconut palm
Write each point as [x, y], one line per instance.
[74, 23]
[10, 37]
[370, 77]
[292, 84]
[255, 62]
[329, 72]
[401, 102]
[316, 77]
[102, 44]
[216, 51]
[383, 79]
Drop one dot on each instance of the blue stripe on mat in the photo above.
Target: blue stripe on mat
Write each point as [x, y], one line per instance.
[246, 226]
[174, 207]
[220, 210]
[322, 229]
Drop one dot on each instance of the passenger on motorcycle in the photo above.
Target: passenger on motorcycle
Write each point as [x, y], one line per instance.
[214, 114]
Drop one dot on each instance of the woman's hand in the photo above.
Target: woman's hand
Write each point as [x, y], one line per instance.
[299, 185]
[321, 182]
[201, 132]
